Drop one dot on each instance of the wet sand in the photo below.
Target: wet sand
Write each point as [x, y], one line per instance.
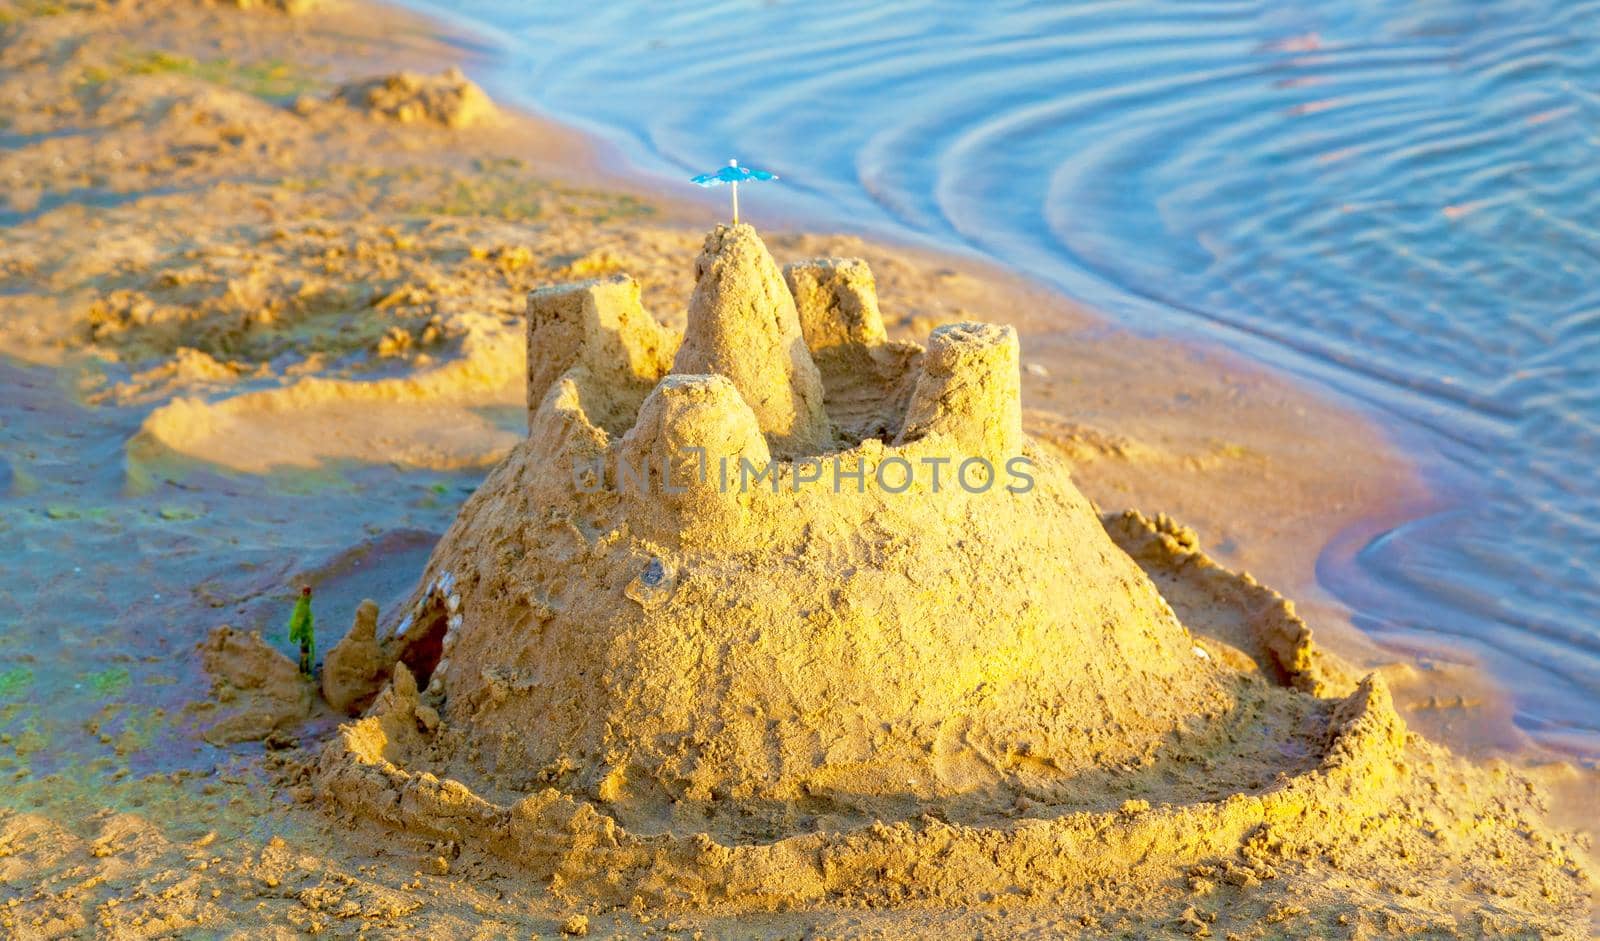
[259, 335]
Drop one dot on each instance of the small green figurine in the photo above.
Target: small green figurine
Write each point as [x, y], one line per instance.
[303, 632]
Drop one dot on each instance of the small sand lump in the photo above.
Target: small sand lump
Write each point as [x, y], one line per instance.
[256, 689]
[283, 6]
[448, 98]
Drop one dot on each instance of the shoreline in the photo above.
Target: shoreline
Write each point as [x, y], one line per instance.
[1133, 413]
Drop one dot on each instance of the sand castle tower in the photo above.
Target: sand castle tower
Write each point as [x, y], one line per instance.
[754, 610]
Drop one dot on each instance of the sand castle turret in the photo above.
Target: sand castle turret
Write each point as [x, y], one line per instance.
[969, 391]
[694, 438]
[902, 634]
[743, 325]
[600, 329]
[837, 301]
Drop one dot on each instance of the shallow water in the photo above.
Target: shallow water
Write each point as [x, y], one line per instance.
[113, 568]
[1398, 198]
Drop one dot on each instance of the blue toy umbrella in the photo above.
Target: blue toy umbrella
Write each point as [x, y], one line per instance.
[733, 175]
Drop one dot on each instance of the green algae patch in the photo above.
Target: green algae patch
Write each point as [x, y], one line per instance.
[15, 681]
[273, 79]
[109, 682]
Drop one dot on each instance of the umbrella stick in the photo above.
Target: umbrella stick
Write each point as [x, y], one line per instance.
[735, 204]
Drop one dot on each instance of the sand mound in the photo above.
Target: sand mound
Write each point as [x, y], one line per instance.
[786, 612]
[448, 98]
[282, 6]
[256, 689]
[431, 418]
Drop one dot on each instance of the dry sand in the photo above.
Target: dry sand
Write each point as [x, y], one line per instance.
[246, 245]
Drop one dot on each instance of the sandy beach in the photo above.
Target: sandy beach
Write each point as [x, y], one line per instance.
[265, 280]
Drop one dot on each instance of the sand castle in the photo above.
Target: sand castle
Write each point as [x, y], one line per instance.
[781, 610]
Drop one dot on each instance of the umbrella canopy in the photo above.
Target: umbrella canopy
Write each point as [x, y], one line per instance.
[733, 174]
